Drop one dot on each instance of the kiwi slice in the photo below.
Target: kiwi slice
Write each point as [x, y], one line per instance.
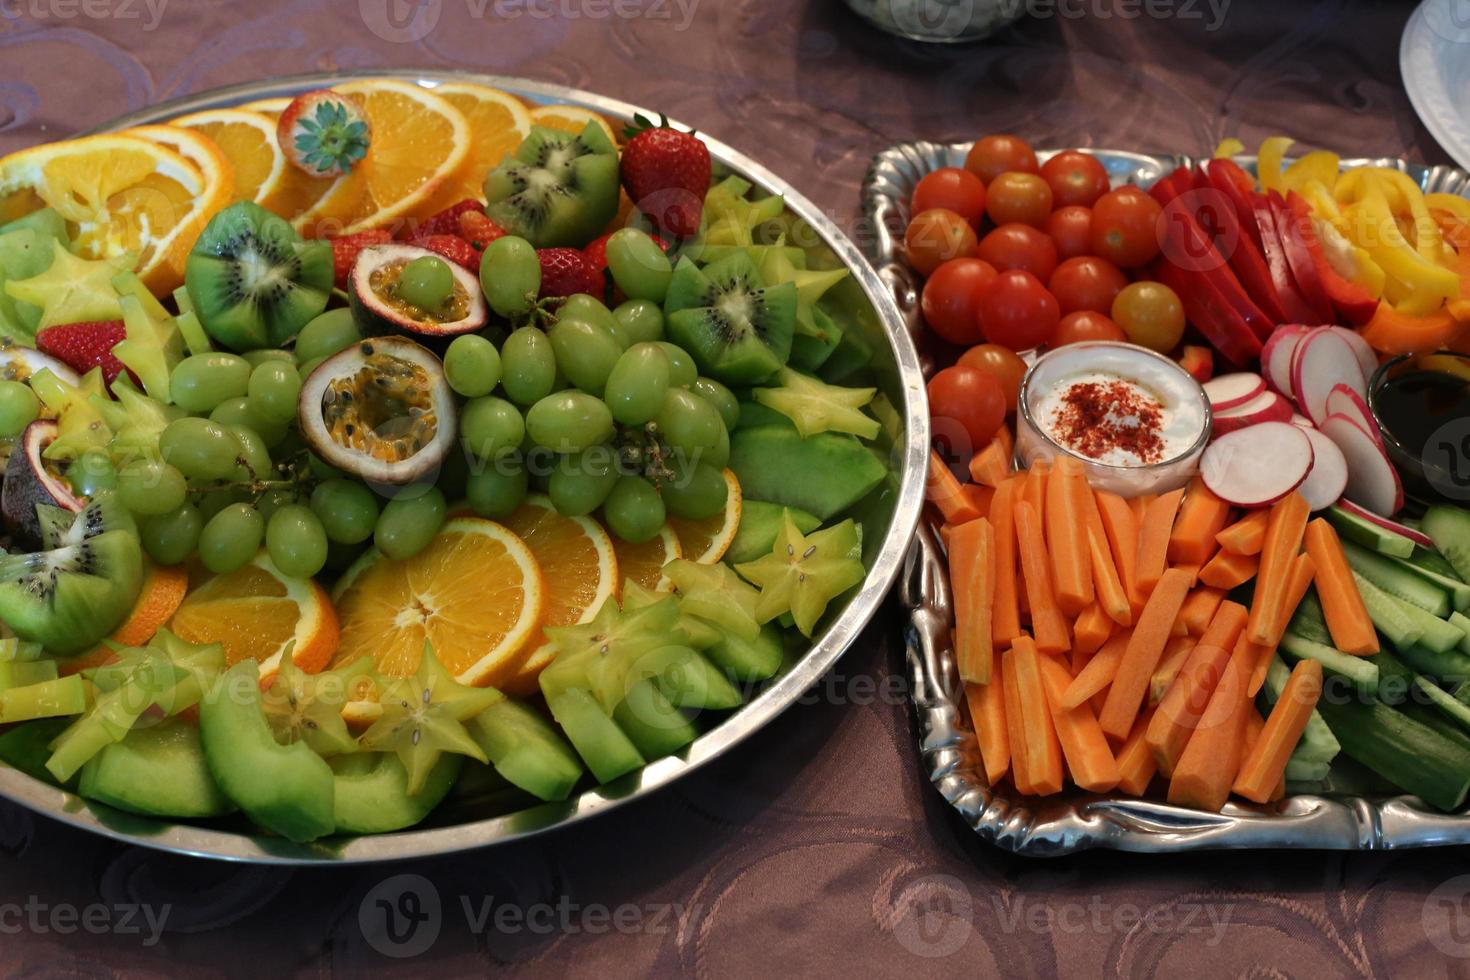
[253, 281]
[558, 189]
[738, 329]
[78, 588]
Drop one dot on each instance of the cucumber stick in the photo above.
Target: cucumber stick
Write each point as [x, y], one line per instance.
[1452, 709]
[1395, 678]
[1449, 529]
[1448, 665]
[1317, 744]
[1387, 615]
[1352, 528]
[1397, 580]
[1462, 621]
[1359, 671]
[1458, 591]
[1438, 634]
[1413, 756]
[1308, 621]
[1301, 771]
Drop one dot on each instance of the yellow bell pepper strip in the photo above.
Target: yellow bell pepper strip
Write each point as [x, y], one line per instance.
[1405, 201]
[1348, 298]
[1319, 166]
[1453, 203]
[1372, 226]
[1229, 147]
[1268, 161]
[1348, 260]
[1456, 232]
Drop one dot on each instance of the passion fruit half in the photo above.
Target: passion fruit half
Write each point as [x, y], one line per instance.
[379, 410]
[380, 310]
[18, 363]
[31, 482]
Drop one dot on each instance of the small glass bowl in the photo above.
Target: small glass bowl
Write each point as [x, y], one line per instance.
[1033, 443]
[1422, 478]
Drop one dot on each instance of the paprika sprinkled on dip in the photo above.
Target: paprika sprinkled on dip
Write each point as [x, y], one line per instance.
[1137, 420]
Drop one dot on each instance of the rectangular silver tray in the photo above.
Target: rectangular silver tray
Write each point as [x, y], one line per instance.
[1078, 821]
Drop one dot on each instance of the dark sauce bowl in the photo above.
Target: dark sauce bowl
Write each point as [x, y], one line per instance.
[1421, 405]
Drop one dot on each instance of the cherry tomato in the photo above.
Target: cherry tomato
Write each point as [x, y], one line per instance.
[1075, 178]
[1123, 227]
[936, 236]
[1018, 246]
[950, 296]
[954, 188]
[1002, 364]
[1018, 312]
[1018, 197]
[1086, 325]
[1151, 315]
[992, 156]
[1086, 283]
[1071, 229]
[970, 397]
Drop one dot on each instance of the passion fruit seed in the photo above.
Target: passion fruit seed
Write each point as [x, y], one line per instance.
[426, 282]
[387, 283]
[383, 409]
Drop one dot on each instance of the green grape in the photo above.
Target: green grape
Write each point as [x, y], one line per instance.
[199, 448]
[638, 265]
[325, 335]
[633, 510]
[321, 469]
[528, 364]
[510, 274]
[19, 407]
[696, 492]
[215, 501]
[201, 382]
[642, 321]
[348, 510]
[719, 456]
[580, 306]
[682, 372]
[91, 473]
[274, 388]
[497, 488]
[171, 538]
[408, 524]
[569, 421]
[689, 423]
[296, 541]
[491, 426]
[241, 411]
[258, 357]
[722, 398]
[581, 481]
[426, 282]
[273, 500]
[472, 366]
[148, 487]
[635, 389]
[307, 367]
[231, 538]
[256, 458]
[585, 352]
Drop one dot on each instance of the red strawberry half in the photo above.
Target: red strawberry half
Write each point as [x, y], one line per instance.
[323, 133]
[666, 172]
[565, 271]
[453, 248]
[446, 222]
[346, 249]
[479, 230]
[84, 346]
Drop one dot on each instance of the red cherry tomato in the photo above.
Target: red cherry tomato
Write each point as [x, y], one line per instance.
[1002, 364]
[970, 397]
[950, 297]
[1086, 283]
[992, 156]
[1018, 246]
[1018, 312]
[936, 236]
[954, 188]
[1086, 325]
[1075, 178]
[1123, 227]
[1018, 197]
[1151, 315]
[1071, 229]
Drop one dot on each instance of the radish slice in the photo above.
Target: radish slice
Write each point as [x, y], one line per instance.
[1343, 400]
[1323, 360]
[1329, 476]
[1367, 356]
[1276, 356]
[1258, 465]
[1265, 407]
[1230, 390]
[1402, 530]
[1301, 420]
[1372, 481]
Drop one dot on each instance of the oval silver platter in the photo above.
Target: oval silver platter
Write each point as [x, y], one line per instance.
[1077, 821]
[890, 513]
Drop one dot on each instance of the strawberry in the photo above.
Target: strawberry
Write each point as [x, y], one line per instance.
[346, 249]
[565, 271]
[666, 172]
[479, 230]
[323, 133]
[445, 222]
[83, 346]
[453, 248]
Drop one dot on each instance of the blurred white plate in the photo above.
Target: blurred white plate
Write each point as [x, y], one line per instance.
[1434, 59]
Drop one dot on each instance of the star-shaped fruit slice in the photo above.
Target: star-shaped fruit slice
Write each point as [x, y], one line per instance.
[803, 573]
[714, 593]
[73, 289]
[816, 406]
[302, 707]
[618, 648]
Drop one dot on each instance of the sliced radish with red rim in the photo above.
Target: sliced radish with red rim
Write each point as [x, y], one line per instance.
[1257, 466]
[1265, 407]
[1276, 356]
[1367, 356]
[1329, 476]
[1230, 390]
[1372, 480]
[1322, 362]
[1394, 527]
[1344, 400]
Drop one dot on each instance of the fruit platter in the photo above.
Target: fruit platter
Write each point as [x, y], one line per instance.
[399, 465]
[1193, 564]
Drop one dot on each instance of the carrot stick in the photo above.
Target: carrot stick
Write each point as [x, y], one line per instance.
[1136, 766]
[978, 497]
[1034, 489]
[1246, 535]
[1121, 525]
[1066, 536]
[972, 582]
[942, 489]
[1005, 615]
[1185, 700]
[1342, 604]
[1299, 580]
[1202, 516]
[1015, 731]
[1225, 571]
[1089, 757]
[1098, 673]
[1153, 539]
[1139, 505]
[988, 712]
[1284, 530]
[1046, 617]
[1200, 608]
[1092, 629]
[1112, 598]
[944, 532]
[1260, 658]
[1042, 748]
[1178, 651]
[1181, 628]
[1210, 761]
[1265, 765]
[1145, 647]
[992, 464]
[1193, 571]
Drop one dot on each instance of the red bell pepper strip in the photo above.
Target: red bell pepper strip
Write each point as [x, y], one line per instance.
[1299, 259]
[1351, 300]
[1210, 313]
[1216, 207]
[1298, 310]
[1198, 361]
[1227, 178]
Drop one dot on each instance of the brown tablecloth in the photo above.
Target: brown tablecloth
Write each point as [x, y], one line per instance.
[817, 848]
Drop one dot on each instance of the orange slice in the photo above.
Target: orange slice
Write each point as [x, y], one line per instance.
[498, 122]
[570, 119]
[475, 593]
[219, 175]
[644, 563]
[164, 587]
[707, 541]
[256, 613]
[271, 108]
[248, 140]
